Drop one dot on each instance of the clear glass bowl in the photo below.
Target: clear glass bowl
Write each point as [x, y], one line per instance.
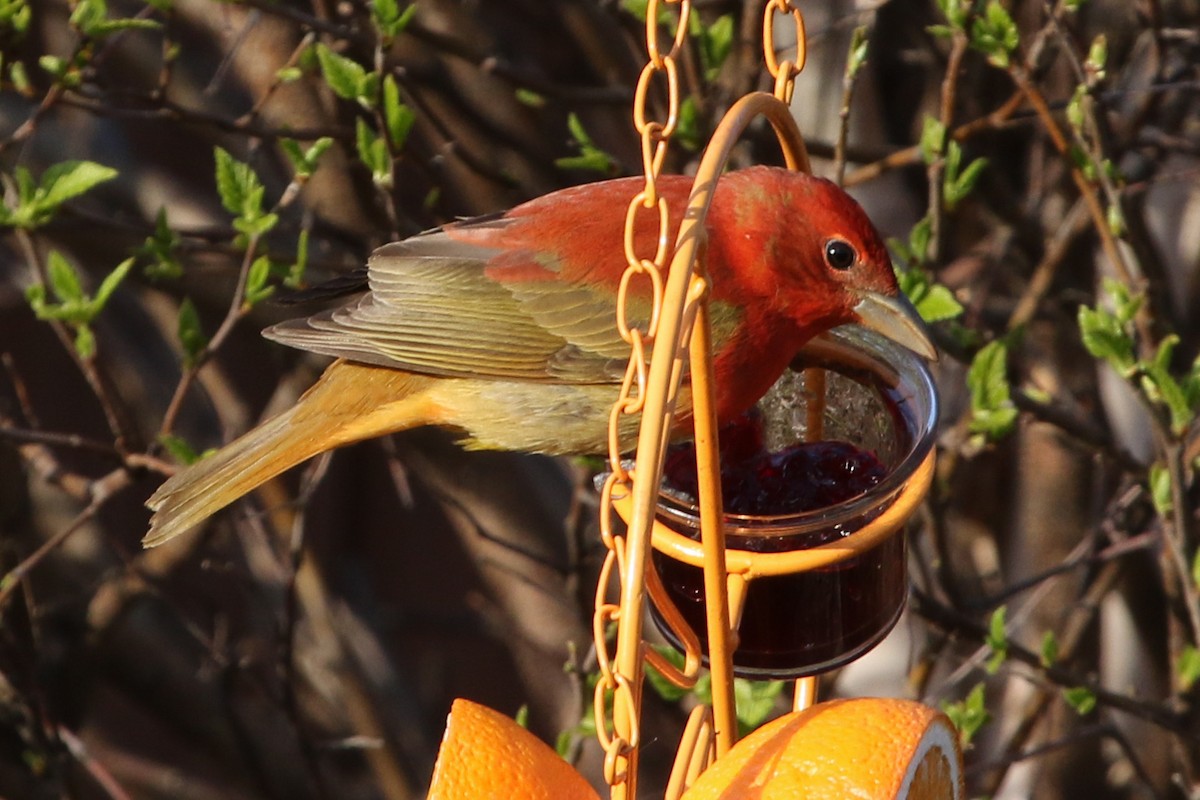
[879, 397]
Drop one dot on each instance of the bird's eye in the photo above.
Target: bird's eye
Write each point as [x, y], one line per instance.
[840, 254]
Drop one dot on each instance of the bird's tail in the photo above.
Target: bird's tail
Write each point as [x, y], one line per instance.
[350, 402]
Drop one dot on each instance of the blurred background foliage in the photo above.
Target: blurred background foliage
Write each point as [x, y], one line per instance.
[171, 169]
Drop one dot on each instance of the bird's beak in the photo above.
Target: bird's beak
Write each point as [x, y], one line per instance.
[897, 319]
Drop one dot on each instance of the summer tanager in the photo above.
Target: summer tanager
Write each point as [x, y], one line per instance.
[504, 327]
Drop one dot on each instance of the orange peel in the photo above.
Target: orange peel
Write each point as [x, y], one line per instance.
[485, 754]
[865, 748]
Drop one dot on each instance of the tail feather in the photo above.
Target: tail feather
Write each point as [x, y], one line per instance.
[350, 402]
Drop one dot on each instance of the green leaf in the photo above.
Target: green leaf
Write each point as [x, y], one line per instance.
[373, 152]
[1165, 351]
[933, 139]
[432, 198]
[1159, 385]
[26, 186]
[1080, 698]
[992, 410]
[1187, 667]
[236, 182]
[90, 17]
[933, 301]
[64, 280]
[638, 9]
[857, 55]
[919, 238]
[1190, 384]
[38, 202]
[1196, 569]
[85, 341]
[110, 283]
[1097, 58]
[87, 14]
[160, 250]
[955, 12]
[528, 97]
[968, 715]
[715, 44]
[1160, 489]
[594, 161]
[1115, 218]
[994, 34]
[35, 295]
[997, 639]
[398, 116]
[20, 78]
[347, 78]
[1049, 652]
[755, 701]
[242, 195]
[584, 729]
[522, 716]
[957, 186]
[383, 13]
[1075, 107]
[939, 304]
[1162, 384]
[304, 162]
[73, 305]
[190, 333]
[257, 288]
[590, 157]
[291, 149]
[257, 226]
[1079, 159]
[1106, 337]
[687, 125]
[389, 20]
[181, 451]
[911, 253]
[1126, 303]
[318, 148]
[15, 16]
[295, 274]
[70, 179]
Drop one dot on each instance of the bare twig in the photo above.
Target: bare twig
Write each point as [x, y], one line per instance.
[100, 491]
[1161, 715]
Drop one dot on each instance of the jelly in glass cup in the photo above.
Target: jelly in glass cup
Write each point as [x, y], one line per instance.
[880, 409]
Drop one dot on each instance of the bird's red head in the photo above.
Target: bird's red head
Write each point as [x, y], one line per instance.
[804, 251]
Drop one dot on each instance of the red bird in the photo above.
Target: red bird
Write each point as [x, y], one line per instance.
[504, 327]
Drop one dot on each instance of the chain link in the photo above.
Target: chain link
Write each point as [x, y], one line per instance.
[784, 72]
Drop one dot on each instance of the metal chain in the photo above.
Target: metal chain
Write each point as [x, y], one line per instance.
[619, 734]
[784, 72]
[613, 689]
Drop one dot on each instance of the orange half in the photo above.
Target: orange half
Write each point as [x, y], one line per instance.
[867, 749]
[486, 755]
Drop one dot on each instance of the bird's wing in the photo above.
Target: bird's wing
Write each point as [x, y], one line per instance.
[443, 306]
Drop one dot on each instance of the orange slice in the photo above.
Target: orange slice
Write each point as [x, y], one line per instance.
[867, 749]
[485, 755]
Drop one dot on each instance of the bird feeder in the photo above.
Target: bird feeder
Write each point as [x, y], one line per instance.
[715, 591]
[760, 594]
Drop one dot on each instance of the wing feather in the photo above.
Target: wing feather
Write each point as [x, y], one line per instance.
[434, 307]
